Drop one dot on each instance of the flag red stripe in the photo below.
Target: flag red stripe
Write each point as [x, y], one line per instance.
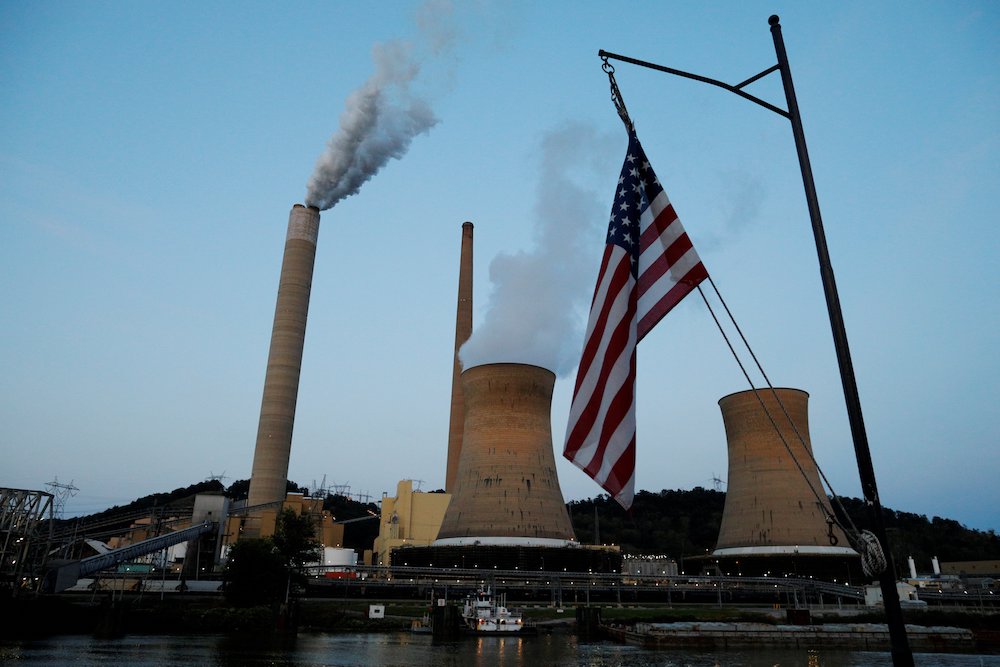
[690, 280]
[662, 263]
[591, 343]
[617, 411]
[622, 472]
[615, 349]
[617, 334]
[660, 223]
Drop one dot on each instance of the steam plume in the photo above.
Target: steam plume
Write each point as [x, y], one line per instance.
[537, 306]
[380, 120]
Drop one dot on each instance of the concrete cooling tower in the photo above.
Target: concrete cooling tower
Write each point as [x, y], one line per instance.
[770, 509]
[506, 491]
[281, 383]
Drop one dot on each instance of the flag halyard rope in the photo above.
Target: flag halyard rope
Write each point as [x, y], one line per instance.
[872, 557]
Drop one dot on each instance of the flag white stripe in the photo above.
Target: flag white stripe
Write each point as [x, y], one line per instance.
[616, 313]
[620, 372]
[667, 281]
[657, 206]
[618, 443]
[658, 246]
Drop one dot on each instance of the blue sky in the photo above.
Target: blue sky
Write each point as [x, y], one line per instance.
[151, 152]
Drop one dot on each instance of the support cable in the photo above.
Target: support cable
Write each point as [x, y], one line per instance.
[865, 542]
[784, 410]
[770, 417]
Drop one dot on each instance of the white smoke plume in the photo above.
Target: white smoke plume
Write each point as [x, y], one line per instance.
[537, 307]
[381, 117]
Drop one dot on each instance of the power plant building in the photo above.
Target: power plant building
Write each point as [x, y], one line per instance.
[261, 522]
[411, 518]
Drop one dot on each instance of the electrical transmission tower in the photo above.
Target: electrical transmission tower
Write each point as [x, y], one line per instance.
[716, 482]
[60, 494]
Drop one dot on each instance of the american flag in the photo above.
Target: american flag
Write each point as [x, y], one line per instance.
[649, 265]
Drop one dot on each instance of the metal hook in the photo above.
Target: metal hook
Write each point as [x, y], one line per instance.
[616, 96]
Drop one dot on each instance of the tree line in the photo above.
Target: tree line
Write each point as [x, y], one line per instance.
[680, 523]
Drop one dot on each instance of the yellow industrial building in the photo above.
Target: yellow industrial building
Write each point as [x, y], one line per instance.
[412, 518]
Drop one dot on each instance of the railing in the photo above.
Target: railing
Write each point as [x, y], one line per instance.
[582, 581]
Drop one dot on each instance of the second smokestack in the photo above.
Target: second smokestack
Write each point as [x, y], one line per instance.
[268, 478]
[463, 329]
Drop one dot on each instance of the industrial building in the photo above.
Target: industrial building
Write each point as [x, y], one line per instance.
[254, 521]
[410, 518]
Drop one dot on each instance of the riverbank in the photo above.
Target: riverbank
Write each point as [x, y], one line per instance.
[76, 614]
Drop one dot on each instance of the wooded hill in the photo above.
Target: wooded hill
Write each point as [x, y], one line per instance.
[680, 524]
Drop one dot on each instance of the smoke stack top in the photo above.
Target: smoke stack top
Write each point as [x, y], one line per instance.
[379, 121]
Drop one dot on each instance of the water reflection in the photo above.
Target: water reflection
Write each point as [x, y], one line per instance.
[406, 650]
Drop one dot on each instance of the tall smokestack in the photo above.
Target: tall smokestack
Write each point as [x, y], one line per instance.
[463, 329]
[506, 489]
[284, 361]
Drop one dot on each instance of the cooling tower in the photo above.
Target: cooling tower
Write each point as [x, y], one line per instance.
[284, 361]
[506, 490]
[463, 329]
[770, 509]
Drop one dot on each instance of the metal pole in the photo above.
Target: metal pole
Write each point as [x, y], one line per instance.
[901, 655]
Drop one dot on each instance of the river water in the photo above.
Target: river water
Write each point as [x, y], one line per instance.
[408, 650]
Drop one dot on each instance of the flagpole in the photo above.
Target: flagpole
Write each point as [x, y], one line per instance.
[901, 654]
[899, 644]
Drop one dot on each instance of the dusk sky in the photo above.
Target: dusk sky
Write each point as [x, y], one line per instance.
[150, 153]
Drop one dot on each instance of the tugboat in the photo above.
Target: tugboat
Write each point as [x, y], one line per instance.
[484, 614]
